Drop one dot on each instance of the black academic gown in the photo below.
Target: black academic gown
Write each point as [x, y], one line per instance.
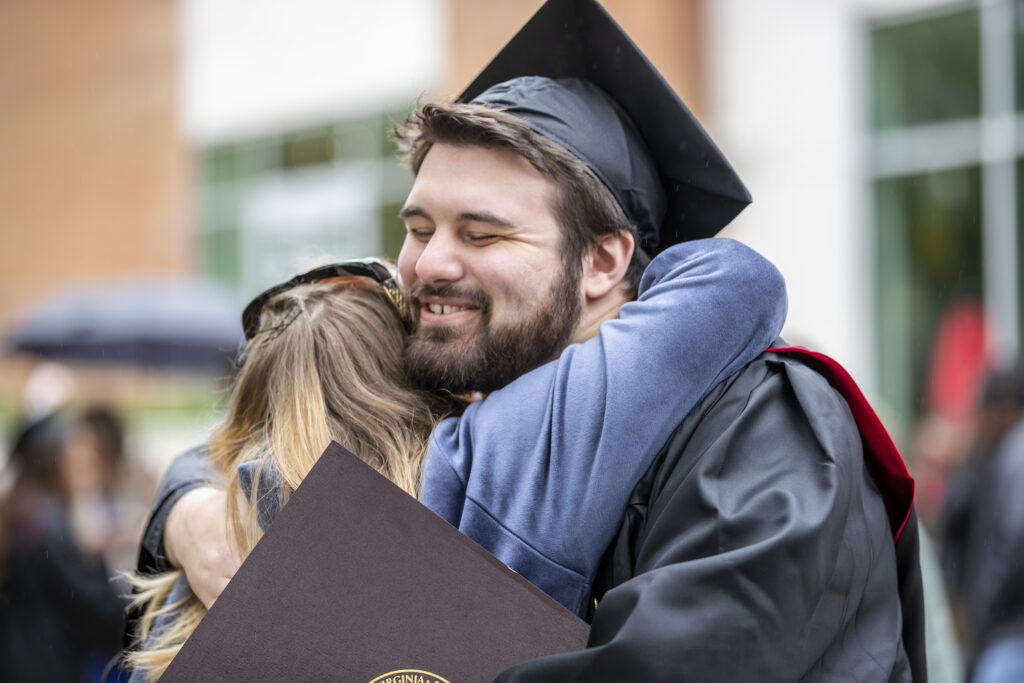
[757, 548]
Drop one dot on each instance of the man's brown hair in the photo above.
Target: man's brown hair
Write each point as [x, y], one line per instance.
[583, 206]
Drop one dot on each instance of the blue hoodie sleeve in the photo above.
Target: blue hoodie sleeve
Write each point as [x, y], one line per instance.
[539, 472]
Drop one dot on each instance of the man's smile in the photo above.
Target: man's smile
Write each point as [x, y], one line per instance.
[439, 309]
[446, 311]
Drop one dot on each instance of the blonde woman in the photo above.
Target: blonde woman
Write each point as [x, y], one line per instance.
[323, 362]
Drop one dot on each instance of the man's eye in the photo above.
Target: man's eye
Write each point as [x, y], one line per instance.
[420, 233]
[482, 238]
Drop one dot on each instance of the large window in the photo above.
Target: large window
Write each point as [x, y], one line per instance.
[945, 113]
[276, 205]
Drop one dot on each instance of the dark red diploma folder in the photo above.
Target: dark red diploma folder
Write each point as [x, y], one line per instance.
[357, 581]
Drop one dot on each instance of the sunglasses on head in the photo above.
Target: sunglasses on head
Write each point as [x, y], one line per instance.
[371, 268]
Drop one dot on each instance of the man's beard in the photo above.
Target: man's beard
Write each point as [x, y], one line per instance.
[488, 358]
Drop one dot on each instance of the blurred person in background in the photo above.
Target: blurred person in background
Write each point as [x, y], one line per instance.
[111, 493]
[94, 457]
[937, 449]
[60, 619]
[983, 533]
[958, 367]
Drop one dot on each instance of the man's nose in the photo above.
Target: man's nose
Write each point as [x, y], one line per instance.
[441, 260]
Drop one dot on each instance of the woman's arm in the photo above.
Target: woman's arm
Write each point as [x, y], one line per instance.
[187, 528]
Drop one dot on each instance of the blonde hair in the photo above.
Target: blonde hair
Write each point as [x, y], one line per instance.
[326, 364]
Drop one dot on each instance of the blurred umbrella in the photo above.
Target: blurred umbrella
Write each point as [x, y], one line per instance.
[165, 322]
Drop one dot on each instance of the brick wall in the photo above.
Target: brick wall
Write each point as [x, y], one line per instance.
[93, 174]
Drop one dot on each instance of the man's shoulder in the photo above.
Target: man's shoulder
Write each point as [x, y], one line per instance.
[757, 402]
[799, 404]
[812, 382]
[773, 374]
[777, 408]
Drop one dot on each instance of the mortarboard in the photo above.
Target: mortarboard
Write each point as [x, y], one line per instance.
[631, 129]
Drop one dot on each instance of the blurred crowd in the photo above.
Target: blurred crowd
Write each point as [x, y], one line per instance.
[64, 535]
[970, 471]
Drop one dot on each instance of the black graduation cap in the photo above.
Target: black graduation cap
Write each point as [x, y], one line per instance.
[631, 129]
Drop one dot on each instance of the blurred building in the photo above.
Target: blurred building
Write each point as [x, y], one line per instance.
[879, 139]
[291, 116]
[245, 138]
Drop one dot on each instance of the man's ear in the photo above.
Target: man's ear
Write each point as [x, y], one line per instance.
[605, 265]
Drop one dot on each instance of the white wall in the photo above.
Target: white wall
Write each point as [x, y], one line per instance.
[250, 67]
[787, 92]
